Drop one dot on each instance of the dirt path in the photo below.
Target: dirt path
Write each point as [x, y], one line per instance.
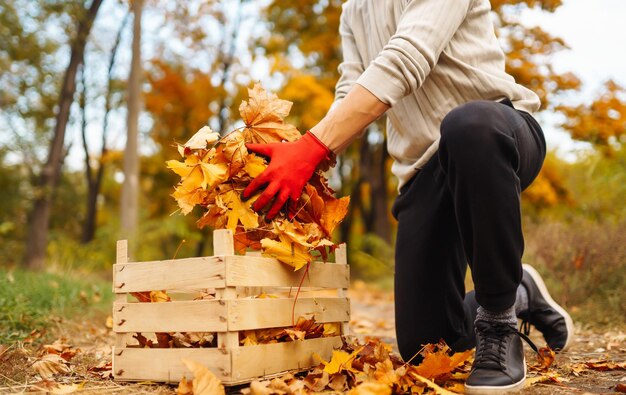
[372, 315]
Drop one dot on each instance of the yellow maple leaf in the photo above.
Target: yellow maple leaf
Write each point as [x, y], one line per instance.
[340, 360]
[188, 199]
[159, 296]
[255, 165]
[235, 151]
[249, 338]
[263, 115]
[332, 329]
[293, 231]
[213, 174]
[239, 212]
[204, 381]
[287, 252]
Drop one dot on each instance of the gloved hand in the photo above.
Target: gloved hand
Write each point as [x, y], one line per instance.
[291, 165]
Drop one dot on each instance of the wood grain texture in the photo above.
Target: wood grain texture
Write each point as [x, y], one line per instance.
[188, 316]
[266, 359]
[164, 364]
[272, 313]
[195, 273]
[249, 271]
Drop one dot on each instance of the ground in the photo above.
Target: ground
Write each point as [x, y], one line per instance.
[372, 315]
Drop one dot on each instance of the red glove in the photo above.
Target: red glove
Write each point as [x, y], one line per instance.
[291, 165]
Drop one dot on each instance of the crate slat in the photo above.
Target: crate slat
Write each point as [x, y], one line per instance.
[251, 271]
[273, 313]
[195, 273]
[164, 364]
[179, 316]
[267, 359]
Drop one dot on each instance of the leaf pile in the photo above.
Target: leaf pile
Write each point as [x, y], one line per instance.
[372, 368]
[215, 171]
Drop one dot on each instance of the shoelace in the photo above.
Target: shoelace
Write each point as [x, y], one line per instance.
[491, 353]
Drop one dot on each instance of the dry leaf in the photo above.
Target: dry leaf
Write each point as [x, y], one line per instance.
[263, 115]
[438, 362]
[184, 387]
[370, 388]
[159, 296]
[545, 358]
[340, 361]
[287, 252]
[204, 381]
[49, 365]
[203, 137]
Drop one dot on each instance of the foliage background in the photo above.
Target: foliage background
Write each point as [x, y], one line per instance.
[199, 57]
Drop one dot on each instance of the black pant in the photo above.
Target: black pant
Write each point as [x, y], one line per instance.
[464, 206]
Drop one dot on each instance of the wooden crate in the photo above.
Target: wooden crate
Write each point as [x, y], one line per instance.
[235, 278]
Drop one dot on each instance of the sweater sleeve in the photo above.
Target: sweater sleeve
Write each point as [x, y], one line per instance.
[424, 30]
[351, 66]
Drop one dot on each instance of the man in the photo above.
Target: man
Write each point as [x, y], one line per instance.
[464, 145]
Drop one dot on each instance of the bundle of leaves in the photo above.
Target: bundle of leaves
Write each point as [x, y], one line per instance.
[215, 171]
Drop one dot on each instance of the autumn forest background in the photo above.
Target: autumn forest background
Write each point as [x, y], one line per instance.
[95, 94]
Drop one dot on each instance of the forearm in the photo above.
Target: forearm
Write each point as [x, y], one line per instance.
[346, 122]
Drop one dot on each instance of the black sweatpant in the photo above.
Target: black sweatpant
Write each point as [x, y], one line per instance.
[463, 207]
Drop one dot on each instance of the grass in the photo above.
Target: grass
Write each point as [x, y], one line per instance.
[35, 301]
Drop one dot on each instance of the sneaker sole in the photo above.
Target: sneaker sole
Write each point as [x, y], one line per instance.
[491, 390]
[569, 323]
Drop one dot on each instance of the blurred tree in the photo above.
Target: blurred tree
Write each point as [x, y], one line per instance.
[129, 206]
[94, 176]
[47, 183]
[603, 122]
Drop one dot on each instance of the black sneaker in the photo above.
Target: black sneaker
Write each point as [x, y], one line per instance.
[499, 364]
[544, 313]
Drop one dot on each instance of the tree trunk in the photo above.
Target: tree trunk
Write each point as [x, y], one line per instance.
[379, 221]
[130, 189]
[39, 219]
[94, 184]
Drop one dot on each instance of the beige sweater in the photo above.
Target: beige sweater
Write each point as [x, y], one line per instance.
[424, 58]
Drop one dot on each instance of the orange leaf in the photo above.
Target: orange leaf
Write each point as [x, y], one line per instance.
[263, 115]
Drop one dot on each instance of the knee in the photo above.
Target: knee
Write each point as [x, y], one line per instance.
[469, 125]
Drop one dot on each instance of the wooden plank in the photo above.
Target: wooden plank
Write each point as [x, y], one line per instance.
[178, 316]
[223, 243]
[341, 257]
[121, 257]
[248, 271]
[164, 364]
[272, 313]
[250, 362]
[227, 339]
[196, 273]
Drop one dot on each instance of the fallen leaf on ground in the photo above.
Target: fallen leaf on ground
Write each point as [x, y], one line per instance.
[545, 358]
[49, 365]
[204, 381]
[604, 365]
[104, 369]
